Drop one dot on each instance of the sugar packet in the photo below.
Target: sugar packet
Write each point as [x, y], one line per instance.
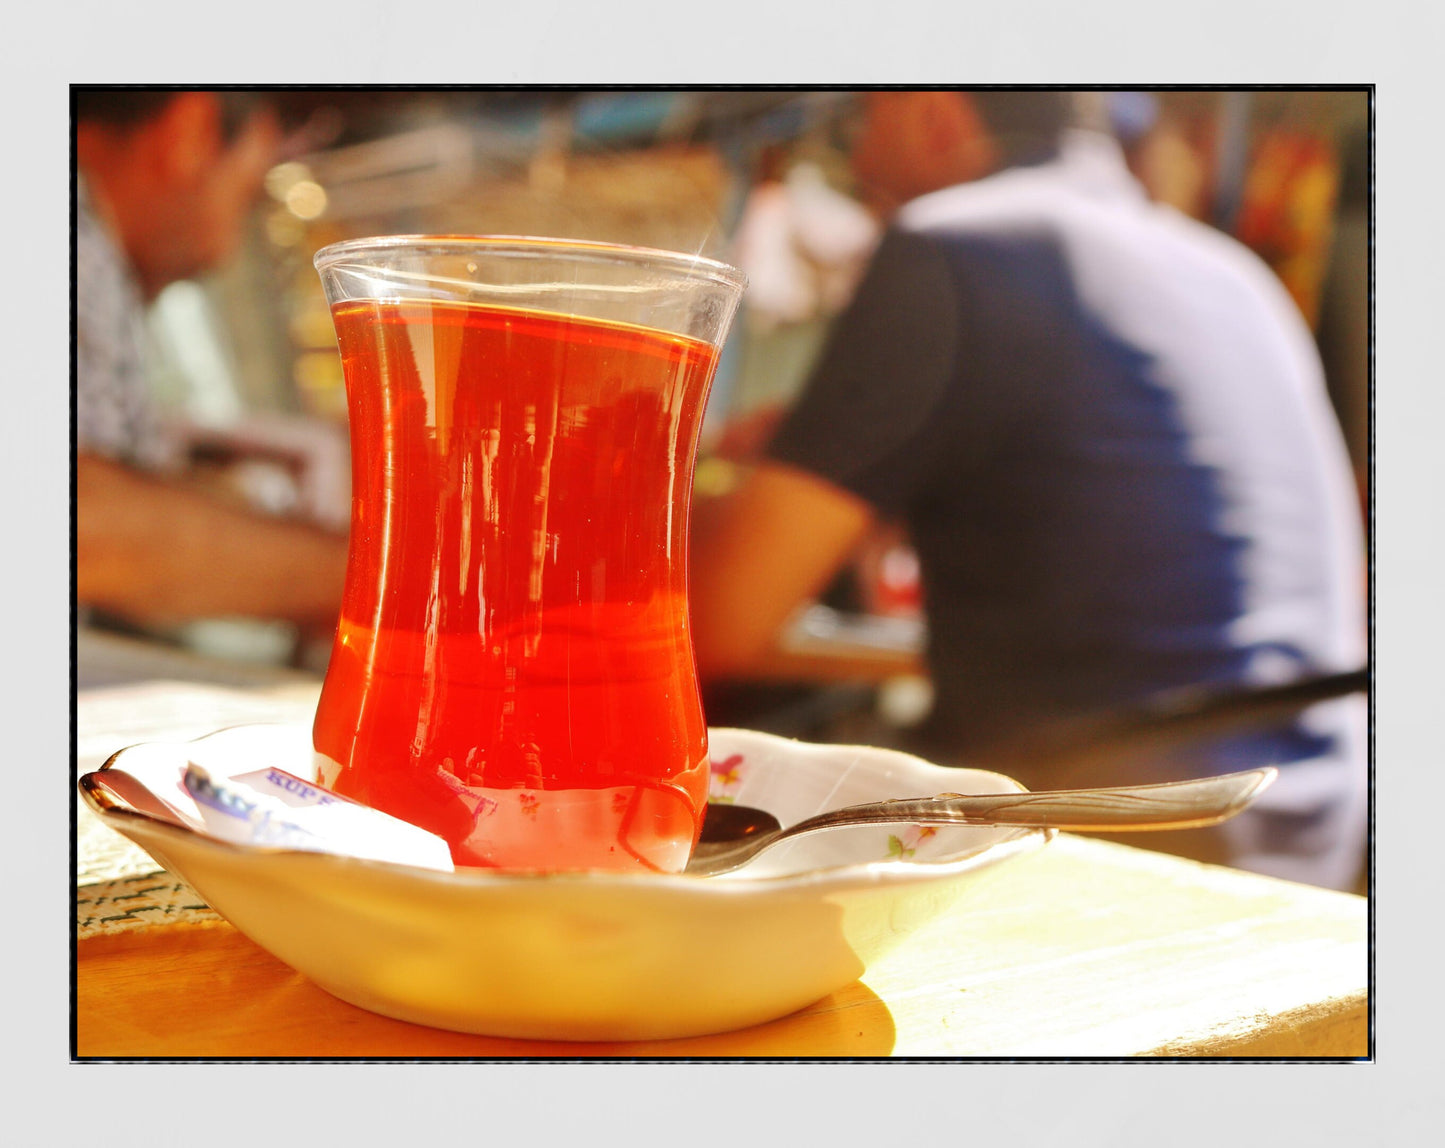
[275, 808]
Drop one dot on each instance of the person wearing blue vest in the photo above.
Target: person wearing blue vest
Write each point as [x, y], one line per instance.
[1106, 429]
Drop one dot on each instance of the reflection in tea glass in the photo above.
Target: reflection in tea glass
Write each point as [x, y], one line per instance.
[513, 668]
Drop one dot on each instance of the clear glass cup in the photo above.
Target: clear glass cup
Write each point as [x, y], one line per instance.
[513, 666]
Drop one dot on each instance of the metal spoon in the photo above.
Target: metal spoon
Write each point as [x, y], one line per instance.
[732, 835]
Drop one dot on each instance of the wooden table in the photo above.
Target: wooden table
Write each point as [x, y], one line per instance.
[1085, 949]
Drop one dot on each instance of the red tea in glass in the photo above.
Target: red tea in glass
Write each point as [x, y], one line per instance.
[512, 667]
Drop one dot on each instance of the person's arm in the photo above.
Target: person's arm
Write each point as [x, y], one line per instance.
[847, 451]
[156, 552]
[759, 553]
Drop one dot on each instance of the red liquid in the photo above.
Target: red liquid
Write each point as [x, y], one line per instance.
[513, 669]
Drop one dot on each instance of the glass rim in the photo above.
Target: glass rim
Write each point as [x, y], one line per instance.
[700, 266]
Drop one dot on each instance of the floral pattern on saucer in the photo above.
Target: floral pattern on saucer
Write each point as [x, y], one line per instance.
[902, 846]
[727, 775]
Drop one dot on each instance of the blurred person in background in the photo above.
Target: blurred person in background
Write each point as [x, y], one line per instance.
[1106, 430]
[165, 182]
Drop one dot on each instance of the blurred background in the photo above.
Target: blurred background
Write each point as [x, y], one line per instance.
[244, 359]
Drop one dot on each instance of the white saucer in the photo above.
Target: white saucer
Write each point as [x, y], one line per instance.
[585, 956]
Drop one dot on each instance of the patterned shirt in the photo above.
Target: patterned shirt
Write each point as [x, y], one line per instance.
[114, 413]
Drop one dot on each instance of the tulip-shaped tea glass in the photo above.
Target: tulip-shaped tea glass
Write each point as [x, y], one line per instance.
[513, 667]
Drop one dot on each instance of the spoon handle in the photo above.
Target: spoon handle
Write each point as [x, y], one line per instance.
[1167, 805]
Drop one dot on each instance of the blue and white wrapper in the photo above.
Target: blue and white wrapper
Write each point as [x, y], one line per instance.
[271, 807]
